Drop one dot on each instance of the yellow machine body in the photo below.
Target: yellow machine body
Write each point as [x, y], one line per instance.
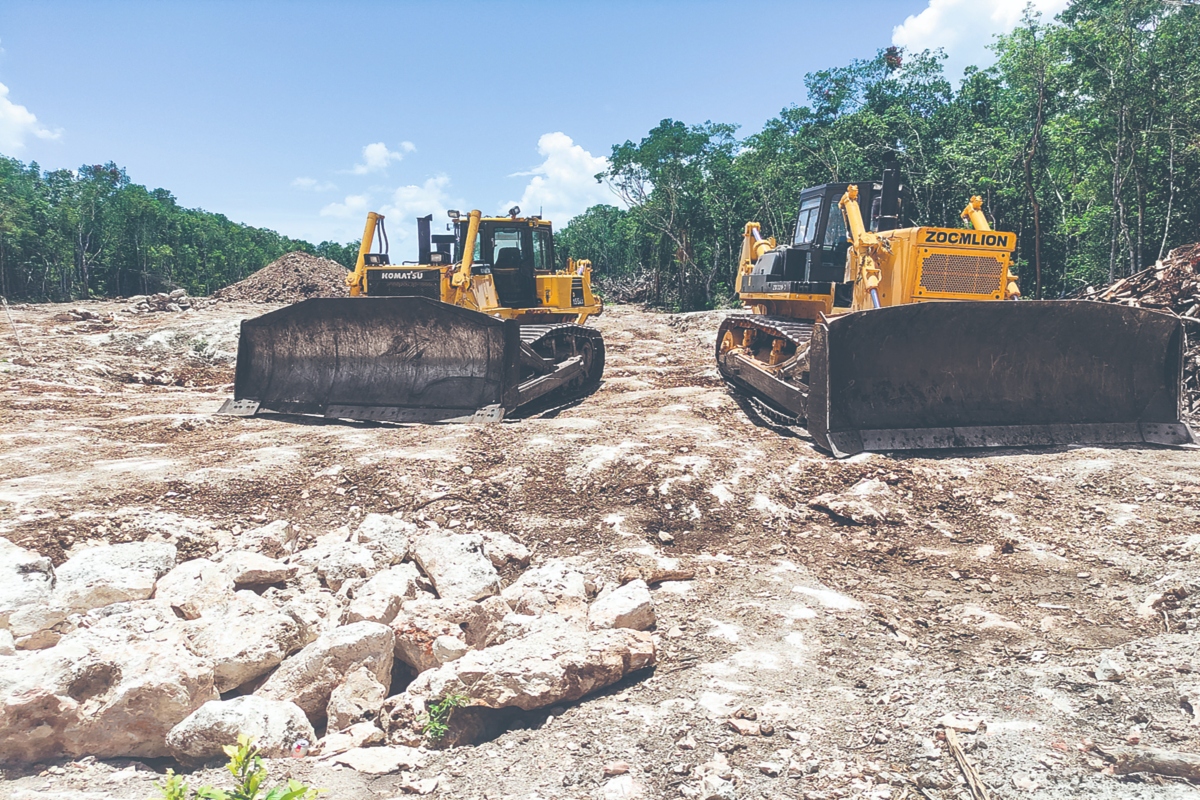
[915, 341]
[476, 328]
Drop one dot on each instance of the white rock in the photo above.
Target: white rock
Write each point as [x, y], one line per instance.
[456, 564]
[111, 689]
[356, 700]
[360, 734]
[1109, 669]
[622, 787]
[26, 579]
[275, 539]
[274, 725]
[553, 586]
[449, 648]
[8, 646]
[379, 599]
[248, 568]
[558, 661]
[868, 502]
[337, 562]
[309, 677]
[502, 549]
[245, 637]
[193, 586]
[629, 606]
[35, 627]
[381, 760]
[389, 535]
[101, 576]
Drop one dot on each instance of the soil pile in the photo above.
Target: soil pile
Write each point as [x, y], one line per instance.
[290, 278]
[1171, 285]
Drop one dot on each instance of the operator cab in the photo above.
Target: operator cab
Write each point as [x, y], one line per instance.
[513, 251]
[816, 256]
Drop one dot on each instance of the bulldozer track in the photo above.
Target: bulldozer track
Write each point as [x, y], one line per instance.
[547, 341]
[796, 332]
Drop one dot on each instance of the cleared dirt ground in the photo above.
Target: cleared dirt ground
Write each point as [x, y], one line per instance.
[992, 590]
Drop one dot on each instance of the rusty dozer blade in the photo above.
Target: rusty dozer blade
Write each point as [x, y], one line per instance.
[982, 374]
[401, 359]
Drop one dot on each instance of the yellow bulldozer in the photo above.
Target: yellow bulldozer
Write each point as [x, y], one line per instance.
[479, 326]
[881, 337]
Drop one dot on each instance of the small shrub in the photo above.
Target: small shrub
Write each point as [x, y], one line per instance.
[437, 721]
[250, 777]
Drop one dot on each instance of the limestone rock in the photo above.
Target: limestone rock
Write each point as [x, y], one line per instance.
[628, 606]
[26, 579]
[553, 586]
[379, 599]
[274, 725]
[381, 760]
[101, 576]
[245, 637]
[336, 562]
[421, 622]
[456, 564]
[193, 586]
[868, 502]
[247, 568]
[360, 734]
[111, 689]
[8, 646]
[502, 549]
[274, 540]
[484, 625]
[38, 626]
[356, 700]
[559, 661]
[309, 677]
[389, 536]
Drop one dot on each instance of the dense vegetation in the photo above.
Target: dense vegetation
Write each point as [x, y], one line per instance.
[66, 235]
[1084, 138]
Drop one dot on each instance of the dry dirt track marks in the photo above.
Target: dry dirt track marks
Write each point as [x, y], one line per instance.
[992, 593]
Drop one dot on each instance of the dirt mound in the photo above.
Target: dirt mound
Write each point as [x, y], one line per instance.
[290, 278]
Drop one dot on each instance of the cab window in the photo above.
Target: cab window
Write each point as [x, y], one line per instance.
[835, 228]
[507, 252]
[541, 249]
[806, 225]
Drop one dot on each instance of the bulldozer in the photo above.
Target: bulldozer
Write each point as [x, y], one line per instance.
[879, 337]
[481, 325]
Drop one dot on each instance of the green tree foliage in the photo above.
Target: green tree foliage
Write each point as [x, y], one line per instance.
[1083, 137]
[66, 235]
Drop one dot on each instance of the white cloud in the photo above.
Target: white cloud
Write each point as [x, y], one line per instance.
[313, 185]
[563, 185]
[18, 124]
[964, 28]
[377, 156]
[354, 204]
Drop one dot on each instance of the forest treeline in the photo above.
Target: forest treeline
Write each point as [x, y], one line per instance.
[1083, 137]
[67, 234]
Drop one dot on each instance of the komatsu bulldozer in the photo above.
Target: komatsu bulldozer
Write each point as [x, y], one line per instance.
[481, 325]
[878, 337]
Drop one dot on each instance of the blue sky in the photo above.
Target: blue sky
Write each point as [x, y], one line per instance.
[301, 116]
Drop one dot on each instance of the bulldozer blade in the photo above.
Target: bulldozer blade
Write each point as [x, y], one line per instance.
[402, 359]
[988, 374]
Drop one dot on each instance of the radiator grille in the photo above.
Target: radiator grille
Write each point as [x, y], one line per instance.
[957, 274]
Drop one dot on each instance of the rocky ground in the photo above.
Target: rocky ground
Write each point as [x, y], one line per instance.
[814, 628]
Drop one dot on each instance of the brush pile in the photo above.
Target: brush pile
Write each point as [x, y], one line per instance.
[1172, 285]
[290, 278]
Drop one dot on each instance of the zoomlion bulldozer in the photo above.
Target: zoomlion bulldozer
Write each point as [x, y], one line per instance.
[481, 325]
[887, 338]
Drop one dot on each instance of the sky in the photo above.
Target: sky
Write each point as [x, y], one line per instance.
[302, 116]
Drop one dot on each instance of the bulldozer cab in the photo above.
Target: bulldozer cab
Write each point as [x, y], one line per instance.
[513, 250]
